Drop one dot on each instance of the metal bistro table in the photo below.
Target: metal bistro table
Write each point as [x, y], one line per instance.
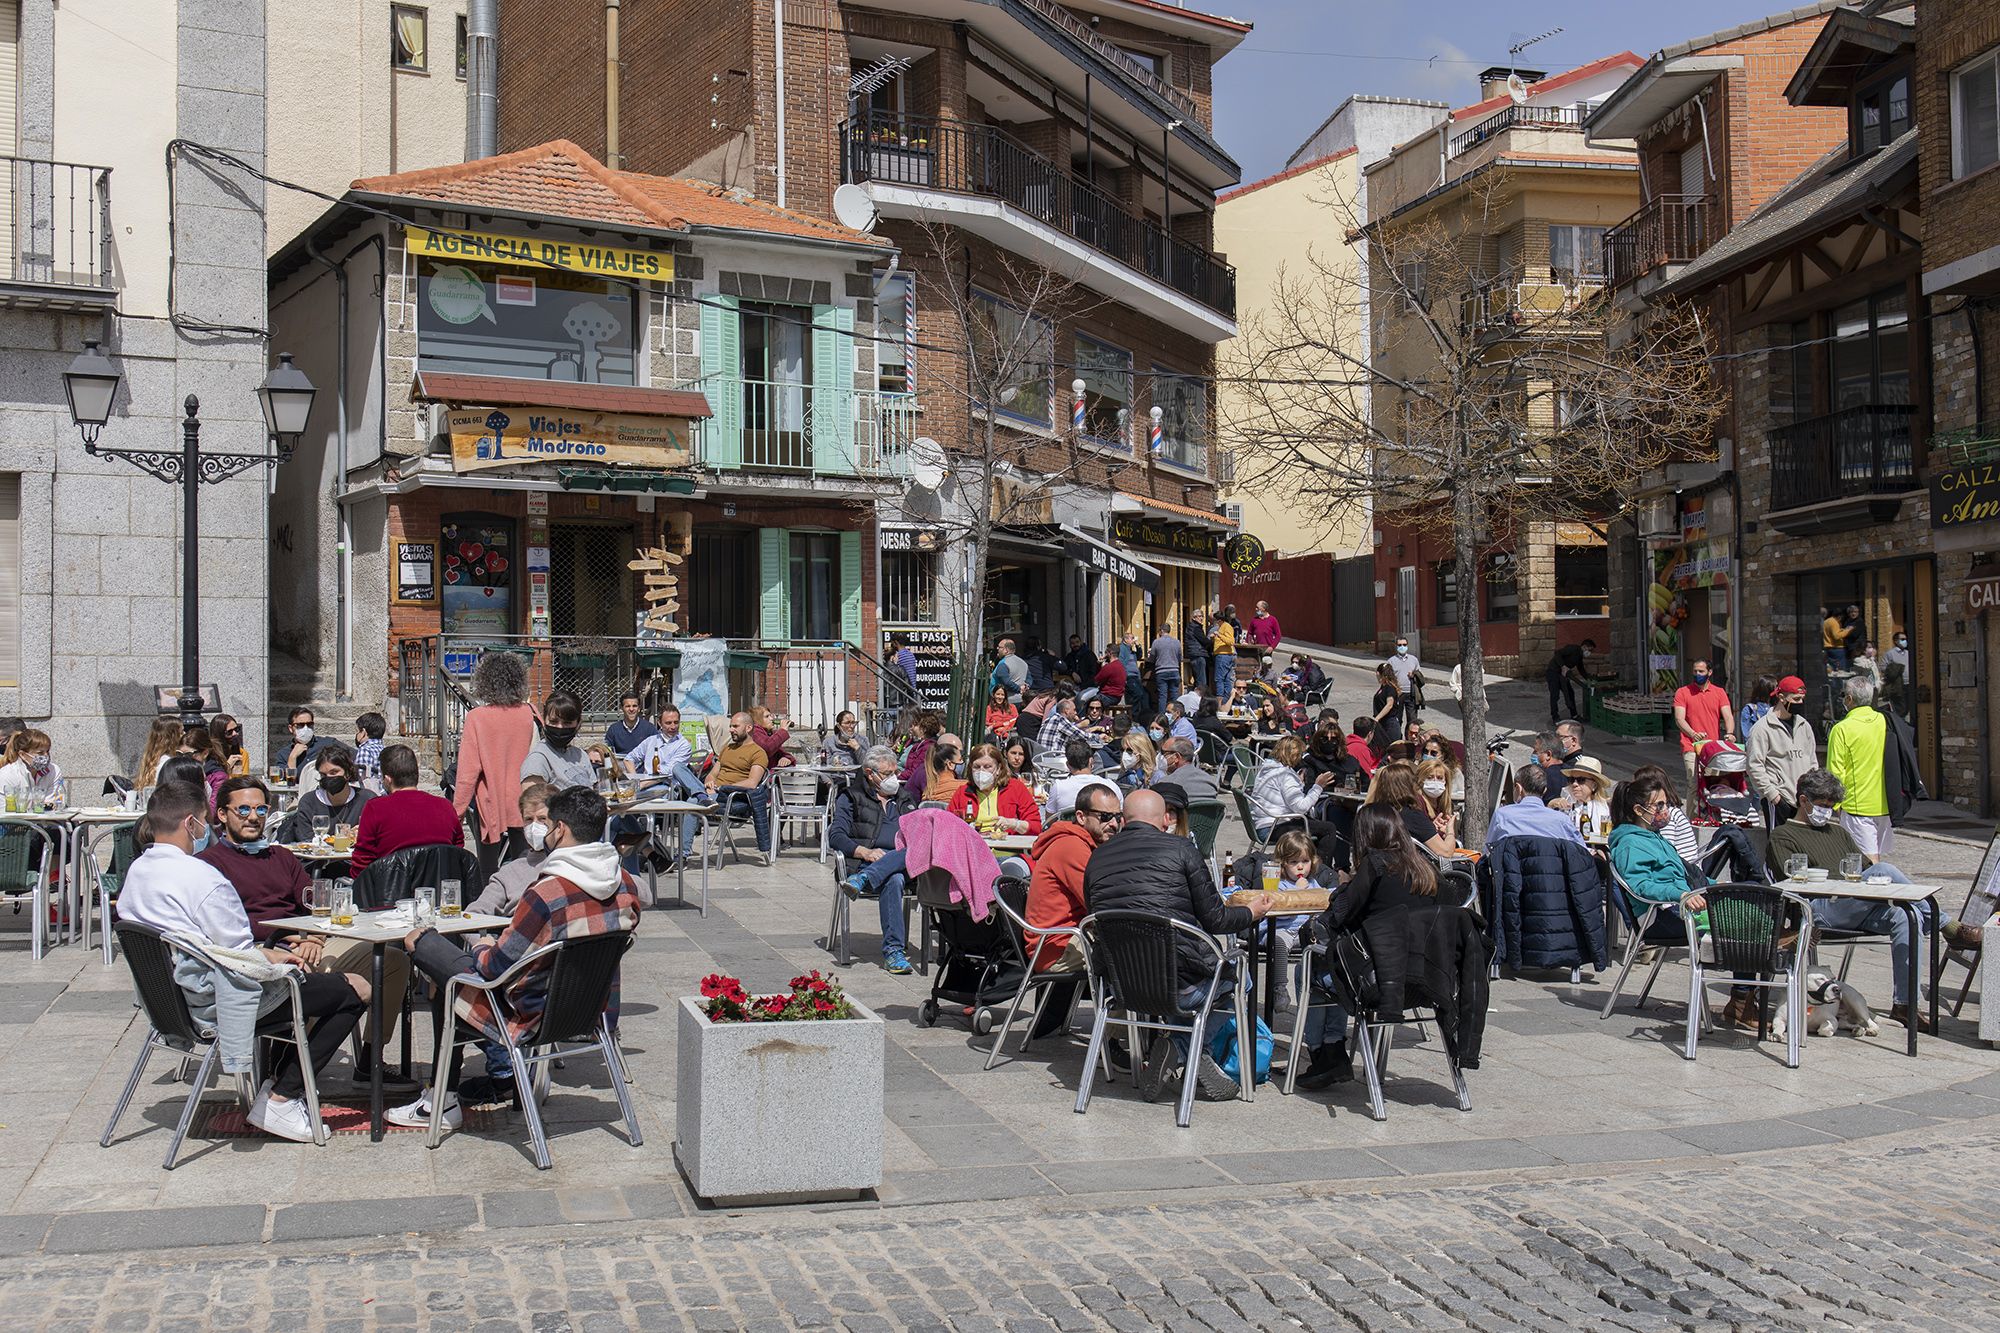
[380, 930]
[653, 809]
[1261, 946]
[1904, 897]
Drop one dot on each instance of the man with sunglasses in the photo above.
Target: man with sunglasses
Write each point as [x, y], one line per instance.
[272, 884]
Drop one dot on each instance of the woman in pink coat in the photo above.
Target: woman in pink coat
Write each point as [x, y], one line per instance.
[498, 734]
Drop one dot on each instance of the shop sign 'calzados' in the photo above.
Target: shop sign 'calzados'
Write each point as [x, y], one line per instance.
[610, 261]
[509, 436]
[1964, 495]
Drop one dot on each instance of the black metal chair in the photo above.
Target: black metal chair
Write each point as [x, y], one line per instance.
[1375, 1030]
[1135, 970]
[398, 875]
[1659, 927]
[582, 972]
[173, 1026]
[1747, 924]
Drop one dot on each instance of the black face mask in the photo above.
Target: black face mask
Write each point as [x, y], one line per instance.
[558, 737]
[336, 783]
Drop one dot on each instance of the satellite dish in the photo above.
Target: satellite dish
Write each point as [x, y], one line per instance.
[1517, 89]
[927, 463]
[854, 209]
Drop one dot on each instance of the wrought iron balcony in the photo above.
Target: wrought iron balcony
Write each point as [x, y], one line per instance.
[983, 160]
[778, 426]
[55, 218]
[1860, 451]
[1516, 117]
[1673, 229]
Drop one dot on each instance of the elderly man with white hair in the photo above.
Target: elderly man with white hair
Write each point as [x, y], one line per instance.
[863, 829]
[1856, 754]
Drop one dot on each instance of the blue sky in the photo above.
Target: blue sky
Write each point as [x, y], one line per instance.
[1305, 56]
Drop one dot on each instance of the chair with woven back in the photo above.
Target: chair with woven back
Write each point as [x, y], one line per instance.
[398, 875]
[1761, 934]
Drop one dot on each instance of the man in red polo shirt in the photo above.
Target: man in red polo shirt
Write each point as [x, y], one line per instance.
[1702, 713]
[403, 816]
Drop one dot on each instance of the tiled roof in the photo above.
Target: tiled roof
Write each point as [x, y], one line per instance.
[561, 180]
[1286, 175]
[1629, 59]
[497, 391]
[1178, 510]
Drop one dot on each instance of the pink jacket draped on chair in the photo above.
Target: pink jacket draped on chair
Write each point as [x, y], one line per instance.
[938, 839]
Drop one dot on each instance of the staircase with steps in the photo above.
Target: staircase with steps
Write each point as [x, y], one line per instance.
[294, 684]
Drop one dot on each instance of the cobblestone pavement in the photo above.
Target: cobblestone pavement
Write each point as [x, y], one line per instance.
[1900, 1233]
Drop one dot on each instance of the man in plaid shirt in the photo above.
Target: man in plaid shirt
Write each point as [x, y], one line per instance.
[1060, 727]
[582, 891]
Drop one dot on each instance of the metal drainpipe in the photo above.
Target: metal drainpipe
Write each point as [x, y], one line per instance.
[611, 155]
[778, 29]
[343, 622]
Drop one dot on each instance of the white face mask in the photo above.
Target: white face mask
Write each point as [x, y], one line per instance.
[890, 785]
[982, 778]
[303, 735]
[1433, 786]
[536, 834]
[1819, 816]
[1128, 760]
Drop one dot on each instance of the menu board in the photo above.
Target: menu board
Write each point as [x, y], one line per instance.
[935, 651]
[416, 573]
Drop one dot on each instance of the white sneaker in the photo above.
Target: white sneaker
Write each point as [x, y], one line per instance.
[417, 1115]
[286, 1119]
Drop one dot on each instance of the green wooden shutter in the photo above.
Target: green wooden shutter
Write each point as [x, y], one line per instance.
[833, 389]
[722, 381]
[774, 565]
[850, 587]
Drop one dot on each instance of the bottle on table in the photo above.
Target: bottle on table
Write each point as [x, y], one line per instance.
[1228, 875]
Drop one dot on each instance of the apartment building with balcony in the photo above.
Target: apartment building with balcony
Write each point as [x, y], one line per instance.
[982, 138]
[1717, 139]
[571, 368]
[1829, 339]
[1513, 177]
[94, 246]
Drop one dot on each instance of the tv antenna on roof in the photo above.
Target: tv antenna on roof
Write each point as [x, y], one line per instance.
[883, 70]
[1517, 87]
[1515, 50]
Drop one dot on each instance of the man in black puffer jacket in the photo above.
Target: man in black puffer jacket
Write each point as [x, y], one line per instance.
[1145, 868]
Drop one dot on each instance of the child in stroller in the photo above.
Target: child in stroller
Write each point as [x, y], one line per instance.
[979, 966]
[1724, 799]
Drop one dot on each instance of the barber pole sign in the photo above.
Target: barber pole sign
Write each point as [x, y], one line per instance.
[1156, 439]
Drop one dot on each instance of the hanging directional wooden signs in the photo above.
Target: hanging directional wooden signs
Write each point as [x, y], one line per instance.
[662, 587]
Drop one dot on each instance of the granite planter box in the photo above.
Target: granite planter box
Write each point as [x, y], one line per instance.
[779, 1112]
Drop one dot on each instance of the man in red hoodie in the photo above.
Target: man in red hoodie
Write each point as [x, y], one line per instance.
[1055, 892]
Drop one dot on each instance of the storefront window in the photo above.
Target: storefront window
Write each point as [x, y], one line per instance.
[1445, 580]
[1106, 372]
[815, 587]
[1183, 404]
[720, 572]
[1583, 580]
[536, 324]
[1013, 355]
[909, 587]
[1503, 593]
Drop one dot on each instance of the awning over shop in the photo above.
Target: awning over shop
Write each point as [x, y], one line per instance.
[1049, 540]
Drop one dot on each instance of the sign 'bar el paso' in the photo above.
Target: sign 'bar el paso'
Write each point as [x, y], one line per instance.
[608, 261]
[1965, 495]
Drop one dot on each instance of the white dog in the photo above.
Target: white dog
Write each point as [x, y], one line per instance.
[1830, 1006]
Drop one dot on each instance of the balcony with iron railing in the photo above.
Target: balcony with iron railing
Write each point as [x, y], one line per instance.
[1511, 306]
[807, 429]
[55, 218]
[1084, 34]
[958, 157]
[1672, 229]
[1861, 452]
[1515, 117]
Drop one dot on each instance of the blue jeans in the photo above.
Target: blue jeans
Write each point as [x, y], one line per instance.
[1166, 687]
[1225, 676]
[1224, 1008]
[1879, 919]
[1197, 671]
[1319, 1021]
[759, 800]
[885, 879]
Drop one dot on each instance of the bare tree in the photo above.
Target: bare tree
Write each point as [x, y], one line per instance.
[990, 361]
[1453, 393]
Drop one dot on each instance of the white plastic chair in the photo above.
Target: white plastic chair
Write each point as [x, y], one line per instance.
[795, 799]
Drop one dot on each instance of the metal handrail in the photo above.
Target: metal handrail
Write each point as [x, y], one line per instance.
[1077, 29]
[1862, 450]
[57, 219]
[960, 157]
[1525, 117]
[786, 426]
[1672, 229]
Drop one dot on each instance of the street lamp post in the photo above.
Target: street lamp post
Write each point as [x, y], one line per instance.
[91, 383]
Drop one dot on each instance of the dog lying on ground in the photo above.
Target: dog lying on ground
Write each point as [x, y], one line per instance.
[1830, 1006]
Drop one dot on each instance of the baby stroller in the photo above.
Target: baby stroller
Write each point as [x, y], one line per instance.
[1724, 800]
[978, 967]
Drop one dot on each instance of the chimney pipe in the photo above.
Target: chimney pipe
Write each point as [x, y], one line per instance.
[611, 155]
[482, 75]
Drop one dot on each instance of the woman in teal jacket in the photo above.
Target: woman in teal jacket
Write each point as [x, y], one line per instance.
[1644, 860]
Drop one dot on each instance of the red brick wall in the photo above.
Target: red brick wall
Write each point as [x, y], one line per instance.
[1769, 140]
[1958, 214]
[1299, 589]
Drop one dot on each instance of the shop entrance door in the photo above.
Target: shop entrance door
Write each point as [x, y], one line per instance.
[590, 612]
[1406, 601]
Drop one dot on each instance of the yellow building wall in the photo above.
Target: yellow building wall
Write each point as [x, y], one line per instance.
[1281, 227]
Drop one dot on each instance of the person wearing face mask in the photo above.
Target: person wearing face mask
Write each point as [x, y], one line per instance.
[1782, 749]
[228, 734]
[1701, 713]
[509, 884]
[172, 890]
[1894, 665]
[1651, 869]
[340, 798]
[997, 801]
[1815, 834]
[583, 892]
[402, 816]
[1138, 761]
[555, 757]
[272, 884]
[28, 769]
[862, 829]
[944, 775]
[306, 743]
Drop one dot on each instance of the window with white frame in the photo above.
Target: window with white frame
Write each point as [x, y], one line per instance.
[1576, 254]
[1106, 372]
[896, 329]
[1013, 356]
[1183, 403]
[1975, 115]
[1413, 283]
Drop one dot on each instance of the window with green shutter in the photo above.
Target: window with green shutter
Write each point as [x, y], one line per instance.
[721, 380]
[774, 615]
[833, 389]
[850, 587]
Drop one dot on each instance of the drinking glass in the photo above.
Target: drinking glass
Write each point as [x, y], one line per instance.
[1271, 876]
[426, 905]
[406, 909]
[1850, 867]
[277, 774]
[449, 901]
[1795, 866]
[343, 902]
[321, 825]
[319, 897]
